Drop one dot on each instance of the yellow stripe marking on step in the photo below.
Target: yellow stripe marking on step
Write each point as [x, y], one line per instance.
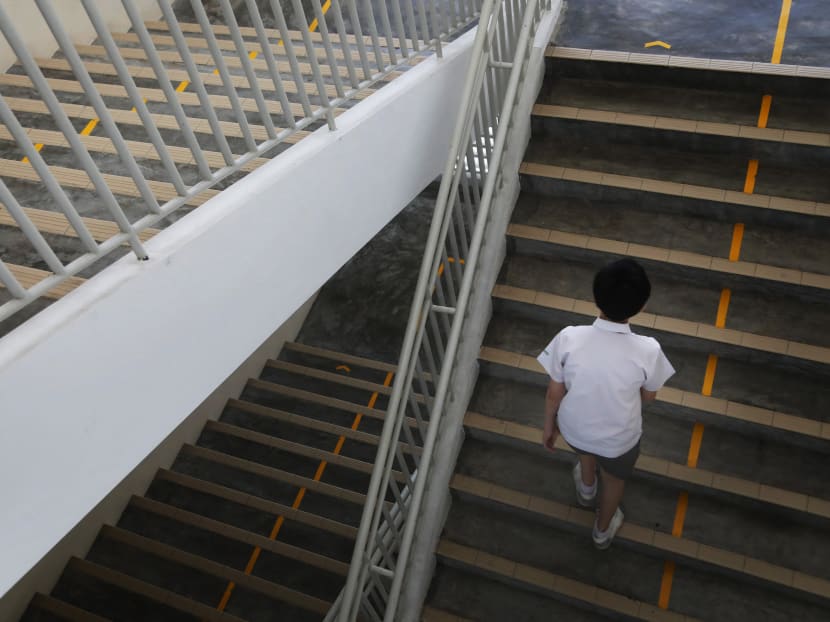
[763, 116]
[783, 20]
[318, 475]
[751, 174]
[661, 44]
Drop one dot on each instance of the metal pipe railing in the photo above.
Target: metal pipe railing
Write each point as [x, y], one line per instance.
[240, 96]
[445, 282]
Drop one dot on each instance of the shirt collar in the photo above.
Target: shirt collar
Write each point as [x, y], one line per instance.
[612, 327]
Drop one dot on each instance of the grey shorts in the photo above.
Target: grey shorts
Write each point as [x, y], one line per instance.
[620, 467]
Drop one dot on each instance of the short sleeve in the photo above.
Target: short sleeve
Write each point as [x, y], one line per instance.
[658, 371]
[552, 358]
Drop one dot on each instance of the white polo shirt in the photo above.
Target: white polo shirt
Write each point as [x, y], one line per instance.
[603, 367]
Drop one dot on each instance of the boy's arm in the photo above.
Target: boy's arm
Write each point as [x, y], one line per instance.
[556, 391]
[646, 395]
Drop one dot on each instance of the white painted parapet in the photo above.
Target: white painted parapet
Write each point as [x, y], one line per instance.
[93, 384]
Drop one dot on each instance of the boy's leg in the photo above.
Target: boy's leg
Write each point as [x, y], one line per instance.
[610, 496]
[588, 464]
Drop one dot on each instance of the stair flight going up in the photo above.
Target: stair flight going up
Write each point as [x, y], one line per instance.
[716, 182]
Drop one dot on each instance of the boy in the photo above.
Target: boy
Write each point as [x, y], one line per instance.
[600, 376]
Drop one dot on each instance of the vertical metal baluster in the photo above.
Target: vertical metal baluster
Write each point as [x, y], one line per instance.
[387, 33]
[18, 132]
[373, 33]
[65, 125]
[247, 67]
[224, 74]
[11, 283]
[90, 89]
[412, 26]
[436, 28]
[422, 17]
[315, 66]
[273, 69]
[396, 15]
[344, 43]
[196, 81]
[30, 230]
[324, 35]
[292, 57]
[354, 17]
[141, 108]
[461, 223]
[169, 92]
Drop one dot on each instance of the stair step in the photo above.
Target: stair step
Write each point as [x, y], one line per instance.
[151, 592]
[349, 381]
[663, 545]
[780, 424]
[57, 224]
[725, 130]
[586, 309]
[538, 580]
[63, 610]
[430, 614]
[739, 270]
[658, 187]
[340, 357]
[679, 475]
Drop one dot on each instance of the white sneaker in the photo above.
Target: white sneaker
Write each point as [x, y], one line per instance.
[602, 539]
[585, 496]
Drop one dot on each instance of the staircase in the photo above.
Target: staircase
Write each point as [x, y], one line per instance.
[256, 520]
[712, 175]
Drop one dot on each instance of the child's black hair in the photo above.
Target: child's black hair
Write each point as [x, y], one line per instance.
[621, 289]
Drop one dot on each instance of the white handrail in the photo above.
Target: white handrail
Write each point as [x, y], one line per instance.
[462, 213]
[389, 47]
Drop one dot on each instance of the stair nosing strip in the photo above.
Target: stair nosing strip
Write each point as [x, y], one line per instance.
[66, 610]
[763, 417]
[739, 131]
[207, 566]
[240, 535]
[266, 471]
[148, 590]
[549, 582]
[258, 503]
[663, 323]
[787, 205]
[665, 542]
[697, 261]
[680, 473]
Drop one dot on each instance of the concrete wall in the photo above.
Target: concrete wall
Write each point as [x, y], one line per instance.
[94, 384]
[39, 40]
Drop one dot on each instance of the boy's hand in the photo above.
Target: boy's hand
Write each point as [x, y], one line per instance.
[550, 433]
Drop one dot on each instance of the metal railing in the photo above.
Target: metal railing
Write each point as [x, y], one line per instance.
[472, 176]
[349, 46]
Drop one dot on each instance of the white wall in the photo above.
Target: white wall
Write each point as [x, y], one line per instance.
[93, 384]
[39, 40]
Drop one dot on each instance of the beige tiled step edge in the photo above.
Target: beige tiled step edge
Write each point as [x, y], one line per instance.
[680, 474]
[64, 610]
[667, 544]
[340, 357]
[162, 121]
[248, 31]
[118, 184]
[56, 223]
[691, 191]
[151, 592]
[668, 324]
[237, 534]
[671, 60]
[139, 150]
[591, 595]
[257, 503]
[732, 130]
[28, 277]
[220, 571]
[712, 405]
[674, 257]
[430, 614]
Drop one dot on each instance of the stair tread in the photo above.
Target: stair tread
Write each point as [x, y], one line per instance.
[669, 256]
[686, 476]
[65, 610]
[668, 545]
[670, 324]
[340, 357]
[513, 572]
